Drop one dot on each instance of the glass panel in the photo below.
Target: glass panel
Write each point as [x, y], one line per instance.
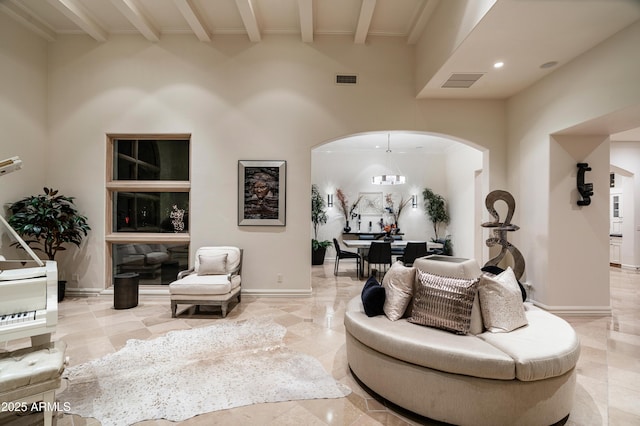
[151, 212]
[155, 263]
[150, 159]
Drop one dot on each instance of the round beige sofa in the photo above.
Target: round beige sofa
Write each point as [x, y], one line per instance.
[524, 377]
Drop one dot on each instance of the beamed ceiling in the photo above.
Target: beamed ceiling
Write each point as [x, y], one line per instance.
[524, 34]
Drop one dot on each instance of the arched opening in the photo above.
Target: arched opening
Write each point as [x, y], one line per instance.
[453, 168]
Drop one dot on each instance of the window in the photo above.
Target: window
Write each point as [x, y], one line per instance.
[148, 189]
[616, 206]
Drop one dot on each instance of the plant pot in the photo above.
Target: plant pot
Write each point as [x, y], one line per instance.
[317, 256]
[62, 285]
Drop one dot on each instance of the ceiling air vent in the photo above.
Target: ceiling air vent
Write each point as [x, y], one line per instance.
[462, 80]
[346, 79]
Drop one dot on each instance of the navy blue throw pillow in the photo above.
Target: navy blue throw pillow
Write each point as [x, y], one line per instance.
[373, 297]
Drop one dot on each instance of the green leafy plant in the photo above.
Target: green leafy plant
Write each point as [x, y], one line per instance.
[318, 217]
[436, 208]
[47, 222]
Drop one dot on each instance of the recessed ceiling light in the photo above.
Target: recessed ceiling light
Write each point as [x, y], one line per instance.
[549, 64]
[498, 65]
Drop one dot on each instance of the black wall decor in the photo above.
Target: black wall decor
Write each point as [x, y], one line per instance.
[585, 189]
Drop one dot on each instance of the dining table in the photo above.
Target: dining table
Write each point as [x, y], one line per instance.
[364, 245]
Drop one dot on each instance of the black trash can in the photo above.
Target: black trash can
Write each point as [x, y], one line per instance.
[125, 290]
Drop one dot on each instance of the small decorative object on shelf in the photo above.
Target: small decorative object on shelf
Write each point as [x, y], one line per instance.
[585, 189]
[500, 230]
[177, 219]
[389, 230]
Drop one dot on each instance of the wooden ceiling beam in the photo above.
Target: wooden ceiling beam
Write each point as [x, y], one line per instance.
[420, 23]
[364, 21]
[306, 20]
[20, 14]
[248, 15]
[74, 10]
[194, 19]
[138, 18]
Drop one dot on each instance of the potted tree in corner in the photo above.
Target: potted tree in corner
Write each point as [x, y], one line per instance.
[436, 208]
[318, 217]
[47, 222]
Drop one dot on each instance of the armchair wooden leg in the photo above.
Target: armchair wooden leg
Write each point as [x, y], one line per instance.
[174, 308]
[224, 309]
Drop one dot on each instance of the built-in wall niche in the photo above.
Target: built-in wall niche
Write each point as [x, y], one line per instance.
[148, 195]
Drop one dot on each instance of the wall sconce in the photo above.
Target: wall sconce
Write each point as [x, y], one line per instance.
[414, 201]
[585, 189]
[329, 200]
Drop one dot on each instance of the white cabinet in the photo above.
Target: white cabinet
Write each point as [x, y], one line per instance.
[615, 246]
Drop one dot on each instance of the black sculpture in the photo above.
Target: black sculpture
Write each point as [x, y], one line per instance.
[585, 189]
[500, 230]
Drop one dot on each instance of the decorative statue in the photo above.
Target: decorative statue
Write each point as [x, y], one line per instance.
[177, 219]
[500, 230]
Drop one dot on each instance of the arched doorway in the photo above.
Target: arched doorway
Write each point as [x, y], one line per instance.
[453, 168]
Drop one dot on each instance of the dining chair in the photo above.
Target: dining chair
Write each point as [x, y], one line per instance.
[343, 254]
[412, 251]
[379, 254]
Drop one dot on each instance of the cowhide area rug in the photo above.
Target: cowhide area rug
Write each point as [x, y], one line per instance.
[190, 372]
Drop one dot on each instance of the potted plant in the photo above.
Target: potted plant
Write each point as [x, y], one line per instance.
[318, 217]
[436, 208]
[47, 222]
[392, 210]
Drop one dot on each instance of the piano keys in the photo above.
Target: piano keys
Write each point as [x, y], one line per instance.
[15, 318]
[29, 303]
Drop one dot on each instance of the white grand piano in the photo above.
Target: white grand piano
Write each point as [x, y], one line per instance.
[28, 295]
[29, 308]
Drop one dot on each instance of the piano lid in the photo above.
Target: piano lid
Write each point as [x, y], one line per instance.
[7, 166]
[22, 274]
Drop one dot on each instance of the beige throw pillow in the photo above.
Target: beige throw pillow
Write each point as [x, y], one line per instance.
[501, 302]
[443, 302]
[398, 287]
[212, 264]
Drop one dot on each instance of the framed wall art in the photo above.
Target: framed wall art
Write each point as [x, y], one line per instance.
[370, 203]
[262, 193]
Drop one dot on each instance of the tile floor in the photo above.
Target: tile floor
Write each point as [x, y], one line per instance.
[607, 392]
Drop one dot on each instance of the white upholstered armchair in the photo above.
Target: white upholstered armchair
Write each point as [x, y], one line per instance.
[214, 280]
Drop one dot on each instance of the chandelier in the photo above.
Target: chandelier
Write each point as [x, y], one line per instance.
[388, 179]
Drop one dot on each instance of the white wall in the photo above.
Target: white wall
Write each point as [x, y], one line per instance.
[23, 106]
[239, 100]
[565, 247]
[462, 164]
[626, 155]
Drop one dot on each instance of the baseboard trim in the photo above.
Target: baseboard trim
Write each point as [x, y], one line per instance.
[276, 292]
[630, 267]
[83, 292]
[576, 311]
[93, 292]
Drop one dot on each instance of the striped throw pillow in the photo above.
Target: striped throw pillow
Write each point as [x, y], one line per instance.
[443, 302]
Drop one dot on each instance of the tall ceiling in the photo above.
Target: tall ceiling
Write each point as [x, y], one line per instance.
[524, 34]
